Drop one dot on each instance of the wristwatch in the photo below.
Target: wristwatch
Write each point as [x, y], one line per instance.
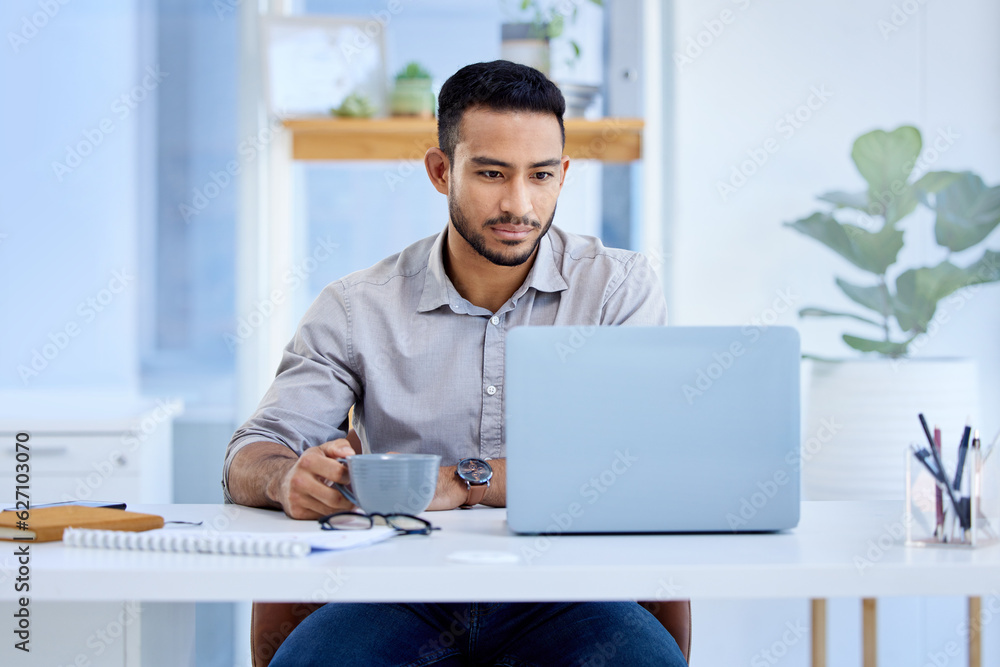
[476, 473]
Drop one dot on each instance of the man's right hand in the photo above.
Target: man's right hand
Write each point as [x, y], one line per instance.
[304, 491]
[268, 474]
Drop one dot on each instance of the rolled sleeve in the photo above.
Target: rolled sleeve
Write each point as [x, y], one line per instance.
[315, 386]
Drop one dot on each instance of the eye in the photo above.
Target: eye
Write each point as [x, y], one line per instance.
[489, 173]
[544, 175]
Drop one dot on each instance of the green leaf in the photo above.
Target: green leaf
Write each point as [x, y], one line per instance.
[984, 270]
[883, 347]
[873, 298]
[967, 212]
[556, 26]
[933, 181]
[873, 252]
[918, 291]
[822, 312]
[886, 160]
[855, 200]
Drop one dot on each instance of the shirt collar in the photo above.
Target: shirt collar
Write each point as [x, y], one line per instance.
[438, 290]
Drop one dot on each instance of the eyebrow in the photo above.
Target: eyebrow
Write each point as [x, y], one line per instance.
[492, 162]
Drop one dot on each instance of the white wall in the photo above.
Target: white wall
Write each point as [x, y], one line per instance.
[732, 258]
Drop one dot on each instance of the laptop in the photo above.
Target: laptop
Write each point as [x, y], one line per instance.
[652, 429]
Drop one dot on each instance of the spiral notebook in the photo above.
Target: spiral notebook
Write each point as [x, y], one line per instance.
[288, 545]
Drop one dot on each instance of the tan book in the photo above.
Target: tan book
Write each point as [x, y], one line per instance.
[47, 524]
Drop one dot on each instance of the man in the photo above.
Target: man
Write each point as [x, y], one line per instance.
[415, 344]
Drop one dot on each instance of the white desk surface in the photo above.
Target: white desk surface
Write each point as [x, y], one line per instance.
[825, 556]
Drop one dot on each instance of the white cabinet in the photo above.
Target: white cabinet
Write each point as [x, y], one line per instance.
[90, 446]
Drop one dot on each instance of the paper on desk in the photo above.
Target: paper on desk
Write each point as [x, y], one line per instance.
[237, 544]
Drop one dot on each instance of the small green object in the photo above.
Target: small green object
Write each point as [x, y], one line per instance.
[413, 70]
[355, 105]
[966, 211]
[412, 94]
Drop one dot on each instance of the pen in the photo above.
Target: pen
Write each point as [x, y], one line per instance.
[963, 448]
[938, 500]
[940, 466]
[922, 455]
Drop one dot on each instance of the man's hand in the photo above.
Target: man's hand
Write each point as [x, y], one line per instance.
[451, 491]
[304, 491]
[268, 474]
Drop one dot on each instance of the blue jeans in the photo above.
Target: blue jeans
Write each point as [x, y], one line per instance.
[584, 634]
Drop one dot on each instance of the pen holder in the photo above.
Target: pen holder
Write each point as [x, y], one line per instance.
[934, 517]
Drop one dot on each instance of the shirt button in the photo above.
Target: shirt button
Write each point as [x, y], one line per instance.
[494, 320]
[491, 390]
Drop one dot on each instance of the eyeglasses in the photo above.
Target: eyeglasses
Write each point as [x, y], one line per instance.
[406, 524]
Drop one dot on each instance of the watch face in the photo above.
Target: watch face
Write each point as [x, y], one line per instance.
[474, 471]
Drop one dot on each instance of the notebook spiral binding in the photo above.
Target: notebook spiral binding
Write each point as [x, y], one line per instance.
[232, 544]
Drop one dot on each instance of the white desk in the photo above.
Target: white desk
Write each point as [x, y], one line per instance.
[818, 559]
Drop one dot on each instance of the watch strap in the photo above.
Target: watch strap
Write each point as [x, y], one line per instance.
[476, 494]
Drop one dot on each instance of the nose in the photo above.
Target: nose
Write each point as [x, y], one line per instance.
[516, 200]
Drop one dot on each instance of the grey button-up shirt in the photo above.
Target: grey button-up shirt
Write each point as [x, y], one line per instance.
[424, 367]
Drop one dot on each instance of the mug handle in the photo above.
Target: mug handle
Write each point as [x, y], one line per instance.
[344, 489]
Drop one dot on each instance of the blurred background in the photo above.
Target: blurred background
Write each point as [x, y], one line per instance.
[161, 232]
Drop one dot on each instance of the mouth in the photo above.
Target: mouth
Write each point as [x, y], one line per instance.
[512, 232]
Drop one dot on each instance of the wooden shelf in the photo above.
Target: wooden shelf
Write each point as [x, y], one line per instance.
[607, 139]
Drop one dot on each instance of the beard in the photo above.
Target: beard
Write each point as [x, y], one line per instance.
[477, 239]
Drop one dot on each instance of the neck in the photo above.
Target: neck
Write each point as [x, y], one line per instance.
[480, 281]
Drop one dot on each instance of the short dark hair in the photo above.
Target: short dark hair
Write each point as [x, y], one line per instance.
[499, 86]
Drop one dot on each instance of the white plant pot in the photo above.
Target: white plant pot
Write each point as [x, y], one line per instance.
[861, 416]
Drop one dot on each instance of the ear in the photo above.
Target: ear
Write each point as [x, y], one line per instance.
[565, 168]
[438, 169]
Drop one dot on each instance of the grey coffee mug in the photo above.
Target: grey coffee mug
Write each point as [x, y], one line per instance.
[391, 483]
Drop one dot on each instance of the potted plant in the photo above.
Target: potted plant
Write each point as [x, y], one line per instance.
[899, 308]
[527, 42]
[413, 94]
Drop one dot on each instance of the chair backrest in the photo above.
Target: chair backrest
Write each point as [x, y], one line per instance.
[272, 622]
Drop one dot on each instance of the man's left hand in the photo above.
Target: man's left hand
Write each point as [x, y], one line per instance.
[452, 491]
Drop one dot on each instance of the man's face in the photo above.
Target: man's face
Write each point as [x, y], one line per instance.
[506, 176]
